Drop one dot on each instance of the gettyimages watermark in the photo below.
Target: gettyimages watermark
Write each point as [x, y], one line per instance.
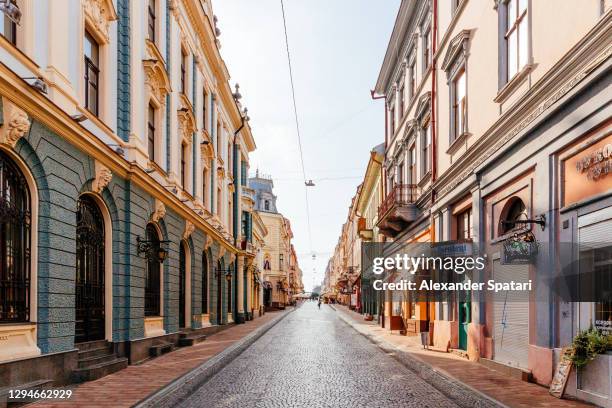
[508, 271]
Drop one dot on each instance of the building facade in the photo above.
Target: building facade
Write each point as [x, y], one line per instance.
[498, 130]
[277, 248]
[123, 158]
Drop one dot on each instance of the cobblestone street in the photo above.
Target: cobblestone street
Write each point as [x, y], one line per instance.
[313, 359]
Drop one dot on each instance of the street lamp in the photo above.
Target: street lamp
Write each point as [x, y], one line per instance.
[151, 249]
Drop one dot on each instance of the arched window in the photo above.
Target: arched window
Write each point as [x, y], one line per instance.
[14, 243]
[89, 324]
[153, 275]
[513, 210]
[229, 292]
[204, 283]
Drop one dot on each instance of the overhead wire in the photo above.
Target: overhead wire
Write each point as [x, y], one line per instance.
[297, 123]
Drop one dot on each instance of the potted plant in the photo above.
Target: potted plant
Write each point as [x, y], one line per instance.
[588, 344]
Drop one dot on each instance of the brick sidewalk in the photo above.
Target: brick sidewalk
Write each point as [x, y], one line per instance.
[509, 391]
[126, 387]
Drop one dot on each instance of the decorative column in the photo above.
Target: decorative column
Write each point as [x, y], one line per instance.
[249, 289]
[240, 289]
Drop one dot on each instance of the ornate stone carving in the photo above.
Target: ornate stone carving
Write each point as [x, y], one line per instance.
[160, 211]
[157, 80]
[189, 228]
[208, 242]
[103, 178]
[18, 125]
[186, 120]
[232, 257]
[221, 252]
[99, 14]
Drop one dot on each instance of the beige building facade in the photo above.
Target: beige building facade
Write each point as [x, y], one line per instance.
[497, 131]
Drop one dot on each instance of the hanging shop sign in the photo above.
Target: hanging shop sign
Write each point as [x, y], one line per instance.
[519, 249]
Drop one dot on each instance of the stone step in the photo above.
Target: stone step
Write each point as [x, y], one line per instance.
[459, 352]
[189, 337]
[89, 345]
[191, 340]
[94, 352]
[100, 370]
[161, 348]
[94, 360]
[34, 385]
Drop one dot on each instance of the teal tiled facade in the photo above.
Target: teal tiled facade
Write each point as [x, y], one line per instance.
[62, 173]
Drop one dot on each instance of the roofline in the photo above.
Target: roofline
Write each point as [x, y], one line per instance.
[407, 8]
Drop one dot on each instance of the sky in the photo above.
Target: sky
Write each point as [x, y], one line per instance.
[337, 48]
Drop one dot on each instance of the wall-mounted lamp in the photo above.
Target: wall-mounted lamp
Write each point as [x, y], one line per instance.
[79, 117]
[117, 148]
[151, 249]
[38, 83]
[11, 10]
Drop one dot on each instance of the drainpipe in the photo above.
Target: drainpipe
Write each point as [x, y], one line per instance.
[434, 41]
[382, 167]
[236, 216]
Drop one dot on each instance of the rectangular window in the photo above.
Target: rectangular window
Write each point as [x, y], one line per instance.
[8, 28]
[392, 114]
[281, 262]
[151, 20]
[204, 181]
[92, 73]
[218, 201]
[229, 159]
[412, 166]
[243, 173]
[183, 72]
[244, 224]
[400, 174]
[204, 102]
[426, 147]
[401, 102]
[459, 105]
[464, 225]
[183, 165]
[516, 36]
[151, 132]
[426, 50]
[412, 79]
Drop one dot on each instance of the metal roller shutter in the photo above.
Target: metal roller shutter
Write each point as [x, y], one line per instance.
[511, 317]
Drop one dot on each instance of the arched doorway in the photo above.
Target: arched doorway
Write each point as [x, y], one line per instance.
[90, 271]
[219, 292]
[15, 244]
[182, 283]
[267, 295]
[153, 303]
[204, 283]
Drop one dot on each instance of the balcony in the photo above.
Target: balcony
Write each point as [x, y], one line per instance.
[364, 232]
[397, 210]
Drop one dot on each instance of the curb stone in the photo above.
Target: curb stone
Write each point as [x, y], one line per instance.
[460, 393]
[185, 385]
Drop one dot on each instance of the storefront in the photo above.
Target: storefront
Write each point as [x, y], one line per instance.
[586, 226]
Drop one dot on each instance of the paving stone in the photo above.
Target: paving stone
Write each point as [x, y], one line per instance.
[313, 359]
